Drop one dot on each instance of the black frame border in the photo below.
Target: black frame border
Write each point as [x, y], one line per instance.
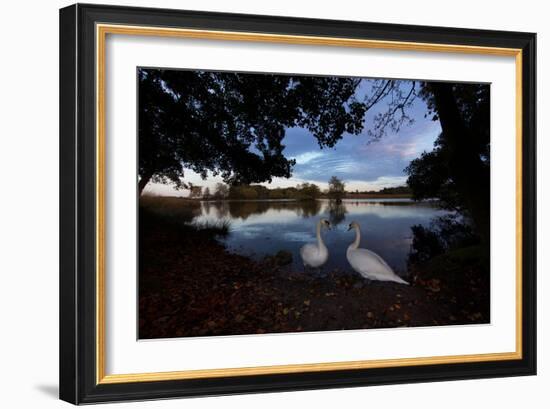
[78, 197]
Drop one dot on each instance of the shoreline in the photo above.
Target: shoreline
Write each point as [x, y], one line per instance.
[185, 292]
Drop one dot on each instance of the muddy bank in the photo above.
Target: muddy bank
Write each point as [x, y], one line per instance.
[191, 286]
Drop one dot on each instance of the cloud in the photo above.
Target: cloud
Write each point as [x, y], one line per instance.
[307, 157]
[362, 165]
[377, 184]
[404, 150]
[374, 184]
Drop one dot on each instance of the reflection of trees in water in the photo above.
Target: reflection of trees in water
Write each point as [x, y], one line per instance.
[244, 209]
[308, 208]
[219, 209]
[444, 234]
[336, 212]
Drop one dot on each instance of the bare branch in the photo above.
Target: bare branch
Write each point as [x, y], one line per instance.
[395, 115]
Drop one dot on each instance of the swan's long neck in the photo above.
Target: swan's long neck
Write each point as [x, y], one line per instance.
[355, 244]
[319, 237]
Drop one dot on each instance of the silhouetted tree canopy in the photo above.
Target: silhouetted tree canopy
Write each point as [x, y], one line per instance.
[233, 124]
[429, 178]
[457, 171]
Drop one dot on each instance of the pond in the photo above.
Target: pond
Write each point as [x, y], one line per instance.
[260, 228]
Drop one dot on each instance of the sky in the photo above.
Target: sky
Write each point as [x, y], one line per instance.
[361, 165]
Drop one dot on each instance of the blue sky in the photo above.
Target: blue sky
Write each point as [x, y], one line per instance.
[362, 165]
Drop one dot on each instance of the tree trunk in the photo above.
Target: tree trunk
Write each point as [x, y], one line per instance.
[471, 176]
[143, 182]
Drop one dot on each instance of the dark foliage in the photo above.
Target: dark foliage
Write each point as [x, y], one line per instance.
[232, 124]
[445, 234]
[457, 171]
[430, 178]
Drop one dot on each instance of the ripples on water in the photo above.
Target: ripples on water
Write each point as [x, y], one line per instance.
[260, 228]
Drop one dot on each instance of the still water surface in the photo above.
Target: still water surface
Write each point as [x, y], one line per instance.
[260, 228]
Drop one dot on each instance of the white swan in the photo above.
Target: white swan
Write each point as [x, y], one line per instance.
[367, 263]
[315, 255]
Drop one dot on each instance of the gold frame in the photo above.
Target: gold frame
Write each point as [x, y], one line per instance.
[101, 33]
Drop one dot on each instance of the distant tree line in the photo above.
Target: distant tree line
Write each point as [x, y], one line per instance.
[303, 191]
[398, 190]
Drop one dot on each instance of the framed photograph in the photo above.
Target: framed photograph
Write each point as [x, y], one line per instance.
[257, 203]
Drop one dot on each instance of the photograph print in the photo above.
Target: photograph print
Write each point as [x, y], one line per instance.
[282, 203]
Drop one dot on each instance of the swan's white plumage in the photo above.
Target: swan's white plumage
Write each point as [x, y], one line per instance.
[315, 254]
[367, 263]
